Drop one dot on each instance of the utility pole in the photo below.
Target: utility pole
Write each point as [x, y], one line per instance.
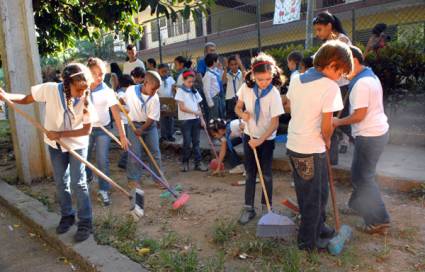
[259, 24]
[309, 24]
[159, 36]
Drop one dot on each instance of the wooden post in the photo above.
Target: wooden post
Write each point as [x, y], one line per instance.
[21, 63]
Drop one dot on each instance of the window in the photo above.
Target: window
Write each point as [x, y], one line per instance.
[179, 27]
[154, 28]
[330, 3]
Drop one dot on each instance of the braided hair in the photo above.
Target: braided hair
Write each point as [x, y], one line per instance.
[216, 124]
[264, 63]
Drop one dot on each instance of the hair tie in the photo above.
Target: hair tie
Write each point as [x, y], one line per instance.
[261, 63]
[76, 74]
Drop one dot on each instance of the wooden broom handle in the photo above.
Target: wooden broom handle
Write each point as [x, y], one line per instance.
[30, 119]
[209, 138]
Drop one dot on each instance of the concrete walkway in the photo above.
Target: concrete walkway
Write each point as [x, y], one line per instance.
[400, 167]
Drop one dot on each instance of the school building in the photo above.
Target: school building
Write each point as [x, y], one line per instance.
[232, 25]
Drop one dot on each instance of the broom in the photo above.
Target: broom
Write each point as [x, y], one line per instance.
[180, 200]
[136, 197]
[271, 224]
[214, 162]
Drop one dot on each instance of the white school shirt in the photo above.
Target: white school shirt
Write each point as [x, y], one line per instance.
[129, 66]
[308, 101]
[121, 95]
[151, 109]
[211, 86]
[180, 79]
[231, 91]
[102, 100]
[191, 102]
[166, 88]
[367, 92]
[54, 115]
[235, 129]
[271, 106]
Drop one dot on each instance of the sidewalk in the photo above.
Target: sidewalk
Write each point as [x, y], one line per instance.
[400, 168]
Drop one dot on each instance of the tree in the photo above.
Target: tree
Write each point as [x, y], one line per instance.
[60, 23]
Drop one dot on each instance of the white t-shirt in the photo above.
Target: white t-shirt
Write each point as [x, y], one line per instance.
[271, 106]
[308, 101]
[55, 116]
[137, 112]
[129, 66]
[121, 95]
[367, 92]
[191, 101]
[166, 88]
[180, 79]
[103, 99]
[231, 91]
[211, 86]
[235, 129]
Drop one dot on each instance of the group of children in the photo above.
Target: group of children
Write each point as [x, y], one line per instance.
[78, 116]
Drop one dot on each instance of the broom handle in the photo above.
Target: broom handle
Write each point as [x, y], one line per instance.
[332, 189]
[209, 138]
[110, 134]
[130, 122]
[260, 173]
[72, 152]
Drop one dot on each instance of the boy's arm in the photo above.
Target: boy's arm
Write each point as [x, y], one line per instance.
[286, 103]
[327, 128]
[145, 126]
[207, 86]
[116, 115]
[357, 116]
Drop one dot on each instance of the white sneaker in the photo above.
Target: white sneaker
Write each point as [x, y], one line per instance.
[104, 197]
[239, 169]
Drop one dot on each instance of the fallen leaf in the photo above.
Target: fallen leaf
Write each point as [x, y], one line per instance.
[143, 251]
[243, 256]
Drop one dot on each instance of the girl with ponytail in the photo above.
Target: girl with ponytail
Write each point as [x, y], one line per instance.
[328, 27]
[69, 116]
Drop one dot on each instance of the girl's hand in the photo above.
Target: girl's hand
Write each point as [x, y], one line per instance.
[124, 142]
[139, 133]
[253, 143]
[53, 135]
[246, 116]
[336, 122]
[3, 94]
[203, 125]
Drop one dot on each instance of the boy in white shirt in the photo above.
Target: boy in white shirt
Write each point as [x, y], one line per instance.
[189, 112]
[213, 87]
[166, 90]
[294, 60]
[133, 61]
[144, 110]
[313, 98]
[370, 129]
[234, 78]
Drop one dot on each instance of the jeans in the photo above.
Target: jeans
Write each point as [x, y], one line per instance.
[124, 154]
[167, 127]
[217, 111]
[366, 198]
[191, 131]
[151, 139]
[230, 109]
[101, 142]
[265, 156]
[70, 176]
[232, 156]
[311, 185]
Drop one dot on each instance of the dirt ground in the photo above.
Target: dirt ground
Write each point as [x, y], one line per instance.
[215, 205]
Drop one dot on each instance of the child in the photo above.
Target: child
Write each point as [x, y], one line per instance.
[370, 129]
[259, 105]
[213, 87]
[294, 59]
[234, 79]
[306, 64]
[230, 135]
[138, 75]
[313, 97]
[151, 64]
[166, 90]
[69, 117]
[144, 110]
[103, 99]
[189, 112]
[181, 64]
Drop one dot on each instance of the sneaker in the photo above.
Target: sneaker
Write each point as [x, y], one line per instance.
[185, 167]
[327, 232]
[200, 167]
[65, 224]
[104, 197]
[239, 169]
[247, 215]
[83, 231]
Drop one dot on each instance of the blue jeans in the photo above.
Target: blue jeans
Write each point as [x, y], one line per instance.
[69, 175]
[232, 156]
[124, 154]
[101, 141]
[151, 139]
[311, 186]
[191, 130]
[217, 111]
[167, 127]
[366, 198]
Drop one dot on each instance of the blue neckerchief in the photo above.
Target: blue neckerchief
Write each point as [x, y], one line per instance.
[138, 89]
[259, 96]
[164, 79]
[66, 112]
[311, 75]
[220, 83]
[234, 78]
[191, 91]
[99, 87]
[367, 72]
[227, 135]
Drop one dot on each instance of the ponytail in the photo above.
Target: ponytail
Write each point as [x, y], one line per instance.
[260, 64]
[337, 25]
[74, 73]
[216, 124]
[325, 18]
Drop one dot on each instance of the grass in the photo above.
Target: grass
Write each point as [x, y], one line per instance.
[223, 231]
[40, 196]
[418, 193]
[5, 134]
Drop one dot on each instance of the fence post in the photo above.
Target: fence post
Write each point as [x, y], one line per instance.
[309, 24]
[353, 25]
[259, 25]
[159, 36]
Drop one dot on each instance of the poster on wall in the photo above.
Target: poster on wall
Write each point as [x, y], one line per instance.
[286, 11]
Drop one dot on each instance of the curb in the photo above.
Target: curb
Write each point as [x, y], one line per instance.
[88, 254]
[341, 175]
